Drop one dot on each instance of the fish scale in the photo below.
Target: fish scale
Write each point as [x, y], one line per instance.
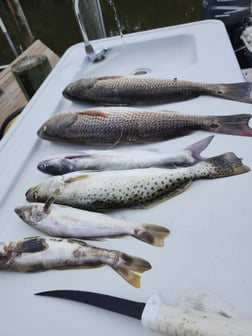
[139, 90]
[113, 125]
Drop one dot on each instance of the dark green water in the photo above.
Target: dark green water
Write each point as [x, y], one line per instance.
[54, 23]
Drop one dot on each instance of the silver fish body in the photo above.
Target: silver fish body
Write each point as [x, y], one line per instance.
[40, 254]
[130, 188]
[64, 221]
[118, 125]
[139, 90]
[98, 160]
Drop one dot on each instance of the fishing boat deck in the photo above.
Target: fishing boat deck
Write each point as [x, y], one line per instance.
[11, 96]
[210, 241]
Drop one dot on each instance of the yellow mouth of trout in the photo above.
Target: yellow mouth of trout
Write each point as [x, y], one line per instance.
[31, 193]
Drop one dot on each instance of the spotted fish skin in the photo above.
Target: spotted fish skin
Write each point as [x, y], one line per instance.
[40, 254]
[140, 90]
[118, 125]
[131, 188]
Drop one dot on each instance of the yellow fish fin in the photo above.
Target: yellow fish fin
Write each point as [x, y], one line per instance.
[76, 178]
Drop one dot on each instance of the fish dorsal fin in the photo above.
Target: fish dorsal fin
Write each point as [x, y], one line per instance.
[51, 199]
[79, 156]
[78, 241]
[169, 111]
[93, 113]
[76, 178]
[108, 77]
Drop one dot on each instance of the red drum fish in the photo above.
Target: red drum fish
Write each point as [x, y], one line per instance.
[140, 90]
[116, 125]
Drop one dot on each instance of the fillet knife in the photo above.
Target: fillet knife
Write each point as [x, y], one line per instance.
[171, 320]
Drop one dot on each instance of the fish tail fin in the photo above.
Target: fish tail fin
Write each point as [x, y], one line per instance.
[196, 149]
[151, 234]
[128, 267]
[237, 124]
[227, 164]
[241, 92]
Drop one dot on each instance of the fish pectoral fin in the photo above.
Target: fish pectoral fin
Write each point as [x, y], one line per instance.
[29, 245]
[76, 178]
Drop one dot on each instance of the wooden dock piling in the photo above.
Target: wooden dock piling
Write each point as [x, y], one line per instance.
[11, 96]
[20, 19]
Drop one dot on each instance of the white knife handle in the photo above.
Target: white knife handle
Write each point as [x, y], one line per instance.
[186, 321]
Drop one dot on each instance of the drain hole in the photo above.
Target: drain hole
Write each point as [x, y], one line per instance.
[140, 71]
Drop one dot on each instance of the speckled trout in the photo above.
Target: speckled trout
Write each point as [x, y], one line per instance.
[135, 90]
[40, 254]
[116, 125]
[131, 188]
[64, 221]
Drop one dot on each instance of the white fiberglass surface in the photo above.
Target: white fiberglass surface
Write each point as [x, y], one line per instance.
[209, 245]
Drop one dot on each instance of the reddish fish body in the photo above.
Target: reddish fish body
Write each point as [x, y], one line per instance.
[140, 90]
[112, 125]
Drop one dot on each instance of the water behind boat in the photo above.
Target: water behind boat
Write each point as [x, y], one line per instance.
[54, 23]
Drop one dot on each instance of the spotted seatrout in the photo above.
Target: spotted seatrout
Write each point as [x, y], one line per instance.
[39, 254]
[64, 221]
[131, 188]
[120, 90]
[122, 159]
[116, 125]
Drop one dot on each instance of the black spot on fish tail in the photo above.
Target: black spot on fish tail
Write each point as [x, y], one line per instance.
[234, 124]
[241, 92]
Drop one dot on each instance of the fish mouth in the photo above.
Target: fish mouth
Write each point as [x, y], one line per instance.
[66, 94]
[42, 132]
[31, 194]
[18, 211]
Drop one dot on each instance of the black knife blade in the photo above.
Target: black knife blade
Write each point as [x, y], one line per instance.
[156, 315]
[111, 303]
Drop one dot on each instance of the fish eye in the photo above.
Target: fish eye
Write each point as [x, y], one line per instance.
[44, 128]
